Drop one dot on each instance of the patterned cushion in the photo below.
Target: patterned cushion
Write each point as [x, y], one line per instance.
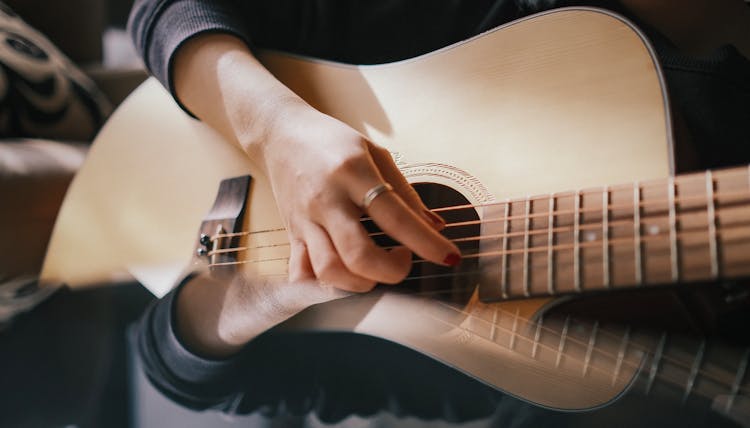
[42, 94]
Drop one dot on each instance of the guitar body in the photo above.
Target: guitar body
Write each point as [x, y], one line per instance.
[559, 101]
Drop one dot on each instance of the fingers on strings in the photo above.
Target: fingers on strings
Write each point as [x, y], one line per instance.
[393, 176]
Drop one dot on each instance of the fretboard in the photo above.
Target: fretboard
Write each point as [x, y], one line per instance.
[675, 367]
[683, 229]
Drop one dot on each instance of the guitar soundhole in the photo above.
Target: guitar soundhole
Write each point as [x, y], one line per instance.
[454, 285]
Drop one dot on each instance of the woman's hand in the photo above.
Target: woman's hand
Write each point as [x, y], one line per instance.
[320, 170]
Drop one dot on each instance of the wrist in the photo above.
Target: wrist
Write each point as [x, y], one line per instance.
[219, 80]
[264, 133]
[199, 313]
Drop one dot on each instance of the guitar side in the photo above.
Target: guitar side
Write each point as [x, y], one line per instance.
[560, 101]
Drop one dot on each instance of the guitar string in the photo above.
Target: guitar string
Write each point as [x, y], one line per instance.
[597, 244]
[588, 243]
[582, 211]
[653, 236]
[723, 232]
[645, 349]
[509, 269]
[597, 210]
[597, 227]
[462, 239]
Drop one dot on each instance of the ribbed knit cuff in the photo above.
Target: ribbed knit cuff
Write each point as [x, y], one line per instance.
[160, 28]
[186, 377]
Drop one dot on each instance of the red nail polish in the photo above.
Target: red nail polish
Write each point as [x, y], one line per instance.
[452, 259]
[434, 218]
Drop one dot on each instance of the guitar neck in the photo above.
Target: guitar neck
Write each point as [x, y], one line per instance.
[677, 367]
[683, 229]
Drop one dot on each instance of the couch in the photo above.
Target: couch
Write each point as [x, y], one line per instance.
[62, 356]
[34, 174]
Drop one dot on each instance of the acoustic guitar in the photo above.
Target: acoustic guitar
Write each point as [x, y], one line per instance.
[521, 138]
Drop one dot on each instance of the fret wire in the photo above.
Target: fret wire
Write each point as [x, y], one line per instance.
[621, 355]
[637, 233]
[550, 246]
[694, 371]
[514, 330]
[474, 238]
[450, 275]
[645, 184]
[582, 227]
[643, 204]
[605, 238]
[468, 273]
[641, 348]
[636, 345]
[510, 234]
[465, 239]
[744, 203]
[635, 365]
[655, 362]
[614, 241]
[563, 337]
[738, 378]
[470, 332]
[590, 347]
[527, 223]
[712, 242]
[493, 330]
[537, 336]
[576, 243]
[674, 256]
[504, 273]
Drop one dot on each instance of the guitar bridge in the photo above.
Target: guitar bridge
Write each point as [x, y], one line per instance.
[218, 243]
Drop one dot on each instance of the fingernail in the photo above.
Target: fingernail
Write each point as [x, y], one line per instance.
[434, 218]
[452, 259]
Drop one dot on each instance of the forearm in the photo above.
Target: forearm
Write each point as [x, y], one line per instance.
[198, 316]
[219, 80]
[216, 318]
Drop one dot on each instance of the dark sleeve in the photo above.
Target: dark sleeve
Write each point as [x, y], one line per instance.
[159, 27]
[334, 375]
[180, 374]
